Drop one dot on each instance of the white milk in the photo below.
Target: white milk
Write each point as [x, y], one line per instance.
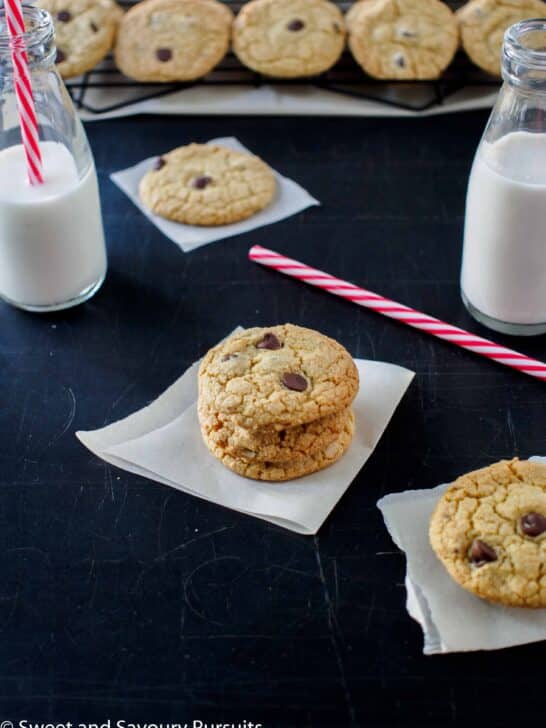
[504, 261]
[51, 237]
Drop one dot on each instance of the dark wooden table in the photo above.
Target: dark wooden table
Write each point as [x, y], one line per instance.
[122, 599]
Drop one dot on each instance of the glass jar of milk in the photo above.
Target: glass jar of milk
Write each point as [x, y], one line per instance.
[52, 252]
[503, 278]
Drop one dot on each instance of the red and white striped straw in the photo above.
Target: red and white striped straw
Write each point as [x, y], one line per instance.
[421, 321]
[23, 91]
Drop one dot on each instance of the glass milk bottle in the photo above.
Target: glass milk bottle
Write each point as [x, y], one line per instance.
[52, 252]
[503, 279]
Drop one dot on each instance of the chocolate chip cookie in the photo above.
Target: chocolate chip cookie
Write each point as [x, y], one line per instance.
[206, 184]
[297, 468]
[402, 39]
[289, 38]
[484, 22]
[489, 531]
[85, 31]
[267, 444]
[279, 377]
[173, 40]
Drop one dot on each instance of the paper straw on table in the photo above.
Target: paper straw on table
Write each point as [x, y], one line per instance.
[398, 311]
[23, 91]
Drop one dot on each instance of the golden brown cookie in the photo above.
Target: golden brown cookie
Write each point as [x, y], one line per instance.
[484, 22]
[85, 31]
[173, 40]
[281, 376]
[489, 531]
[205, 184]
[402, 39]
[289, 38]
[268, 444]
[291, 469]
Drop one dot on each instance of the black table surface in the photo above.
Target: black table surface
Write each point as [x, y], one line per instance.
[123, 599]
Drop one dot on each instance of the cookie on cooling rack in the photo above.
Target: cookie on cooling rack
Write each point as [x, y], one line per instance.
[289, 38]
[395, 40]
[483, 24]
[85, 31]
[173, 40]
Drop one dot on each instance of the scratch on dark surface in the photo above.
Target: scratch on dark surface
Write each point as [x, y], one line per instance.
[69, 420]
[188, 586]
[335, 636]
[511, 431]
[160, 522]
[180, 547]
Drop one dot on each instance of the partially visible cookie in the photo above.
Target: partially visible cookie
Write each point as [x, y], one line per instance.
[205, 184]
[282, 376]
[268, 444]
[489, 531]
[289, 38]
[484, 22]
[402, 39]
[173, 40]
[291, 469]
[85, 31]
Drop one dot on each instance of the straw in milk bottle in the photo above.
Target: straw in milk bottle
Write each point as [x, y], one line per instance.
[503, 278]
[52, 251]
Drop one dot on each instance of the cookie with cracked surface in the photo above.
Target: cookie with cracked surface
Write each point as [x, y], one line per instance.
[402, 39]
[483, 24]
[289, 38]
[268, 444]
[173, 40]
[291, 469]
[85, 31]
[489, 531]
[279, 377]
[205, 184]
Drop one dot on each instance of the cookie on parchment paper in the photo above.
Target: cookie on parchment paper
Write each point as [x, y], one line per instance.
[289, 470]
[489, 531]
[268, 444]
[206, 184]
[282, 376]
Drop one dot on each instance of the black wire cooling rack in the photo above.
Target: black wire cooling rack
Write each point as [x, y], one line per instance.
[105, 89]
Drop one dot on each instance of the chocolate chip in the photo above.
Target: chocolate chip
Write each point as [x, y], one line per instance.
[199, 183]
[94, 27]
[295, 25]
[294, 381]
[60, 57]
[159, 163]
[533, 524]
[163, 54]
[269, 341]
[64, 16]
[400, 60]
[408, 34]
[228, 357]
[480, 553]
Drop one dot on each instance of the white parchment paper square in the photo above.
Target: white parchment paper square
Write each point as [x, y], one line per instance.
[290, 199]
[452, 619]
[163, 442]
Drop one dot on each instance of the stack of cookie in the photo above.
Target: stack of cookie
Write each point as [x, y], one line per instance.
[275, 403]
